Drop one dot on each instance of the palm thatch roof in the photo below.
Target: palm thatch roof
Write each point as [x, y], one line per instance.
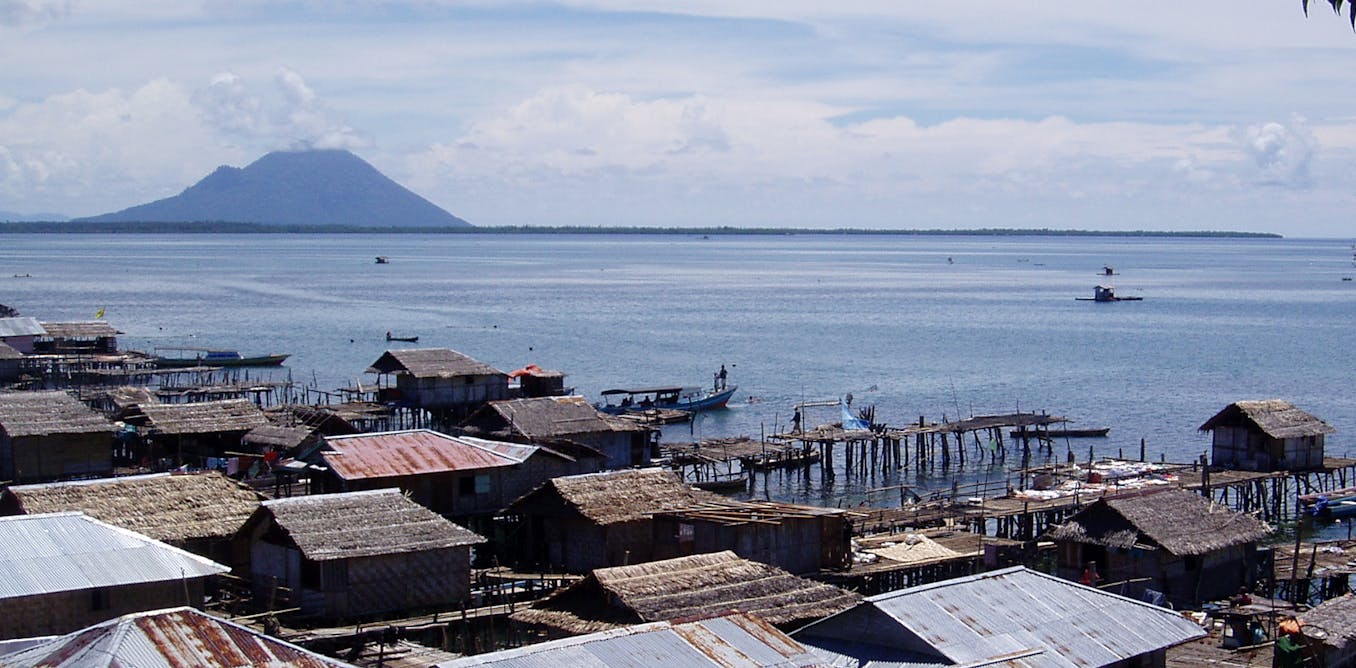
[130, 395]
[46, 413]
[1276, 418]
[695, 586]
[916, 549]
[548, 417]
[87, 329]
[1333, 622]
[1181, 522]
[620, 496]
[171, 508]
[203, 417]
[278, 437]
[432, 363]
[364, 524]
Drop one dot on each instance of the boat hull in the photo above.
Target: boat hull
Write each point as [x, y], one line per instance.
[706, 402]
[186, 362]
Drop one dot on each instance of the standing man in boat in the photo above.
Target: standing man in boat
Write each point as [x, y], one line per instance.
[720, 378]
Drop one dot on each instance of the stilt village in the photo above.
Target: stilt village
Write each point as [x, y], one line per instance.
[192, 509]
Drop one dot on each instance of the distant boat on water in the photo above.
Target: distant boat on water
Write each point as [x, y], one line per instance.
[1106, 293]
[190, 357]
[382, 259]
[407, 339]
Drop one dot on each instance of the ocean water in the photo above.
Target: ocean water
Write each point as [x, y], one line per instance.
[915, 325]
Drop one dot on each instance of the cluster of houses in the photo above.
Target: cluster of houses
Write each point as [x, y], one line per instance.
[120, 524]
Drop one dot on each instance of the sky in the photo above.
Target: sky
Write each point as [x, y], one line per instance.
[1149, 115]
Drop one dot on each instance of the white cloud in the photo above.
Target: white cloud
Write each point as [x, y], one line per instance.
[16, 13]
[1281, 151]
[292, 117]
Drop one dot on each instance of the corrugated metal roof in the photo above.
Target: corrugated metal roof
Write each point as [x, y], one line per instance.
[170, 638]
[7, 352]
[731, 641]
[21, 327]
[1013, 610]
[42, 554]
[417, 451]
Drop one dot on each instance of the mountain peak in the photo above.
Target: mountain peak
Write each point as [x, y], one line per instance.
[309, 187]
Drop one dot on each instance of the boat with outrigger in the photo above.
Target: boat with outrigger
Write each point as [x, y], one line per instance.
[183, 357]
[1106, 293]
[640, 400]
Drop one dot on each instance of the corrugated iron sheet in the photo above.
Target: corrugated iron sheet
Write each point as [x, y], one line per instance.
[979, 617]
[415, 452]
[41, 554]
[170, 638]
[21, 327]
[732, 641]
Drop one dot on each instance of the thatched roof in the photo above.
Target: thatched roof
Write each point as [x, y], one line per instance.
[7, 352]
[551, 417]
[696, 586]
[88, 329]
[432, 363]
[278, 436]
[202, 417]
[166, 507]
[1276, 418]
[1181, 522]
[129, 395]
[364, 524]
[49, 412]
[1333, 622]
[622, 496]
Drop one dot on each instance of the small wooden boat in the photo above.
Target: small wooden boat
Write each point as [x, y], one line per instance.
[724, 485]
[1096, 432]
[655, 415]
[382, 259]
[1106, 293]
[190, 357]
[407, 339]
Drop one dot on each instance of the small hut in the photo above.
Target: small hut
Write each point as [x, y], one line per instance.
[1168, 542]
[569, 418]
[89, 337]
[701, 585]
[282, 440]
[51, 435]
[1266, 435]
[439, 380]
[169, 637]
[454, 476]
[66, 571]
[1329, 631]
[20, 333]
[361, 554]
[1009, 617]
[201, 513]
[579, 523]
[205, 433]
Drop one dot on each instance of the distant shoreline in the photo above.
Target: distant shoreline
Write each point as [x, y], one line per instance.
[259, 228]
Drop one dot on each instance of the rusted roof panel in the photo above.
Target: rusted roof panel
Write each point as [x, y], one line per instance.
[416, 452]
[170, 638]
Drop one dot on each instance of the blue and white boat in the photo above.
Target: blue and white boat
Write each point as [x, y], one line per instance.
[623, 400]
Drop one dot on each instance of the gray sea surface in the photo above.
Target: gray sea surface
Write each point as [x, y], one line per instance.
[928, 326]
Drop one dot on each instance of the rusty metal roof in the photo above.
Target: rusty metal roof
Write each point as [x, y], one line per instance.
[417, 451]
[170, 638]
[736, 640]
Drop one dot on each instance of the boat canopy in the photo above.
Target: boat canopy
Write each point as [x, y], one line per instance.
[650, 390]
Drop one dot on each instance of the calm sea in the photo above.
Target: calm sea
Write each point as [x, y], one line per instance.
[916, 326]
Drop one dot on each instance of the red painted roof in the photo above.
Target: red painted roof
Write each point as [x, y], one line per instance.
[415, 452]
